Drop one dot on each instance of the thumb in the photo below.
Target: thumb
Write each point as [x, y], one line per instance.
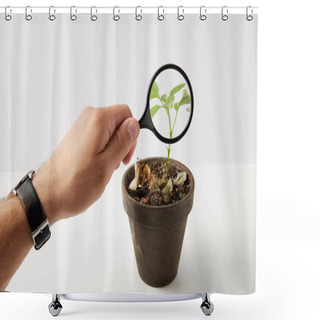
[121, 142]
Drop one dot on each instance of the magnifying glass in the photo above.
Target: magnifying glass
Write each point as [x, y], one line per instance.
[169, 106]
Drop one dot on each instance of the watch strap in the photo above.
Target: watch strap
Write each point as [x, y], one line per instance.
[37, 219]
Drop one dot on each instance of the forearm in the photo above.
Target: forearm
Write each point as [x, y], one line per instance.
[15, 231]
[15, 238]
[72, 179]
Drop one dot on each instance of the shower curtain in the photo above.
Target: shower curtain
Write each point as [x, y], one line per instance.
[51, 70]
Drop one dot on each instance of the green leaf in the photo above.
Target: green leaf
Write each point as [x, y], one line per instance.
[169, 102]
[154, 91]
[164, 98]
[185, 98]
[154, 110]
[176, 89]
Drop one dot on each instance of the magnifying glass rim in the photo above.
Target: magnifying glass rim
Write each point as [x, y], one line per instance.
[154, 130]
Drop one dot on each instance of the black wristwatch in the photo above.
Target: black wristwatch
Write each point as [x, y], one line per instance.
[39, 224]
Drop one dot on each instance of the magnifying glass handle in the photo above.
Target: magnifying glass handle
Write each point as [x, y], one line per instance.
[146, 122]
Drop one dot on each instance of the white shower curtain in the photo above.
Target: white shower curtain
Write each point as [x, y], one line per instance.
[51, 70]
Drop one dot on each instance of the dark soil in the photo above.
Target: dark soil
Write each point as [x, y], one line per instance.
[151, 183]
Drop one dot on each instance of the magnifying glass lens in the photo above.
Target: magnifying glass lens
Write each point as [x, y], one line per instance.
[170, 103]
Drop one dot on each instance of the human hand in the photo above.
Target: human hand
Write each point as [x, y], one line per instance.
[78, 171]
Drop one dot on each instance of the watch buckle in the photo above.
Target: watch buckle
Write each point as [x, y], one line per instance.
[29, 175]
[39, 232]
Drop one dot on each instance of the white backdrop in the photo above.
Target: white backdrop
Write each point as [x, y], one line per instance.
[288, 213]
[54, 69]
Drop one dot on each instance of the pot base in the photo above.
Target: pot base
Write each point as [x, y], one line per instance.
[157, 252]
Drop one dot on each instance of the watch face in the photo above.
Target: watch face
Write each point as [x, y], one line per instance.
[42, 237]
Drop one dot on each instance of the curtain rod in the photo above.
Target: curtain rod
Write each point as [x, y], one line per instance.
[139, 11]
[129, 7]
[125, 9]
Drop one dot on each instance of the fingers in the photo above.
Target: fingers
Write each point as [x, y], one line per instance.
[113, 116]
[121, 143]
[104, 121]
[127, 158]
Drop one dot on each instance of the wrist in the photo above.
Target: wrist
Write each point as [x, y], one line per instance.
[37, 219]
[41, 183]
[19, 222]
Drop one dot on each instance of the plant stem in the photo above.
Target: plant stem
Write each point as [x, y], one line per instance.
[168, 113]
[168, 163]
[168, 158]
[175, 119]
[168, 148]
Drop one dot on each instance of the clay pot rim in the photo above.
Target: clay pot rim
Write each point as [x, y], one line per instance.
[155, 208]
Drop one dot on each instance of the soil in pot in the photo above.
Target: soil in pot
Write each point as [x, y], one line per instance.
[158, 219]
[157, 187]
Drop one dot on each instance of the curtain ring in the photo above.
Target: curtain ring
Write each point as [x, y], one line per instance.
[116, 17]
[249, 17]
[224, 13]
[180, 15]
[28, 16]
[7, 16]
[138, 16]
[93, 17]
[160, 16]
[51, 15]
[73, 16]
[203, 13]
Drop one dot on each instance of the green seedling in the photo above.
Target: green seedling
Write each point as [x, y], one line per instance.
[167, 102]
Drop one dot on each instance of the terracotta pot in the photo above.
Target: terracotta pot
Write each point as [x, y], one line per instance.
[157, 232]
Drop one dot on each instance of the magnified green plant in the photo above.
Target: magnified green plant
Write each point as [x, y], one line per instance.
[167, 102]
